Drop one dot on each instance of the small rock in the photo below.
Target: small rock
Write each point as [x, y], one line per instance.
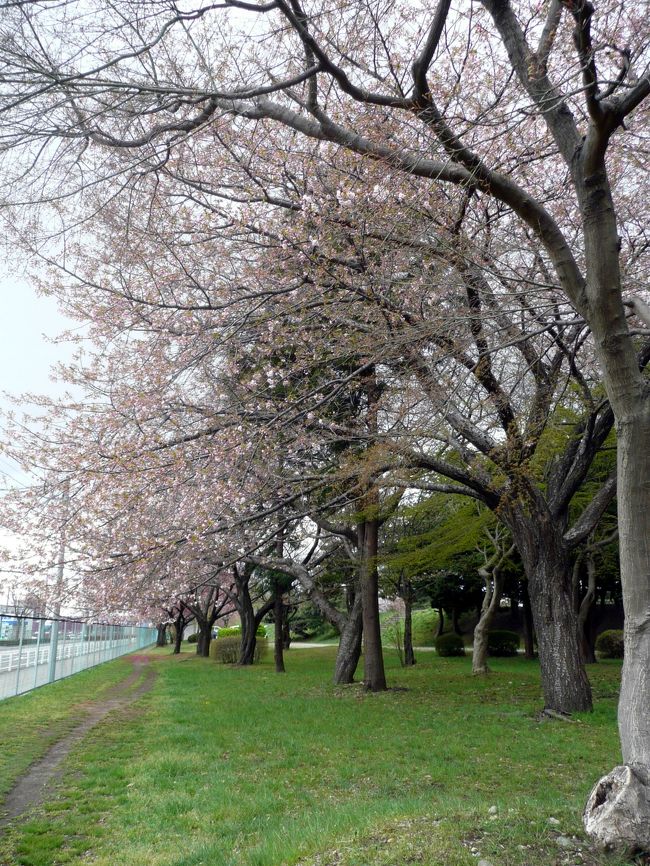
[554, 822]
[564, 842]
[492, 810]
[483, 863]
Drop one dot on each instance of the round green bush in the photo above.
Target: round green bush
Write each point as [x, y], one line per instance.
[230, 631]
[193, 638]
[609, 644]
[450, 644]
[502, 642]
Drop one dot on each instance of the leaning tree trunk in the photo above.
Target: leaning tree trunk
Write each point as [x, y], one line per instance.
[374, 676]
[564, 680]
[584, 610]
[491, 574]
[349, 652]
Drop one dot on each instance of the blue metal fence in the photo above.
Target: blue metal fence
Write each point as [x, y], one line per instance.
[35, 651]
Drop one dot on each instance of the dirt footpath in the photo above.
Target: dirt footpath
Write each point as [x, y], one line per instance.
[34, 786]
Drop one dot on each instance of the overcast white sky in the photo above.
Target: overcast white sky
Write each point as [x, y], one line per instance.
[26, 355]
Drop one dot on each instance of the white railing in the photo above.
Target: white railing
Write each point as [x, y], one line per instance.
[35, 651]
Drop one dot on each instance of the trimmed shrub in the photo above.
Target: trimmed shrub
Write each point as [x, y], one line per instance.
[225, 650]
[503, 643]
[450, 644]
[235, 631]
[261, 647]
[193, 638]
[609, 644]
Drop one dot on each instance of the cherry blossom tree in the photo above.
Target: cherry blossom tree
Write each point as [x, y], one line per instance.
[537, 109]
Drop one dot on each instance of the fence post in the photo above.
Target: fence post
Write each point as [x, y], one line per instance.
[38, 649]
[54, 644]
[21, 635]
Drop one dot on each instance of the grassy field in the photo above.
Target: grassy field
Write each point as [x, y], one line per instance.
[242, 767]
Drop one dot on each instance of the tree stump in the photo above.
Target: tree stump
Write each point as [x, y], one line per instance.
[617, 814]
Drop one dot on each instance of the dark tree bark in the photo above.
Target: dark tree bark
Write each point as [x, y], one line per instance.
[347, 658]
[407, 597]
[247, 620]
[161, 638]
[374, 676]
[180, 616]
[348, 626]
[454, 621]
[441, 622]
[204, 637]
[286, 631]
[208, 605]
[546, 562]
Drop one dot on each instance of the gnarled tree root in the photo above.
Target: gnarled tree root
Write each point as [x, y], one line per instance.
[617, 814]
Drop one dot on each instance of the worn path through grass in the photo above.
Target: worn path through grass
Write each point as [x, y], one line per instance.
[242, 767]
[33, 785]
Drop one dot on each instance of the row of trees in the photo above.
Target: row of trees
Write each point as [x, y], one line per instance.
[328, 261]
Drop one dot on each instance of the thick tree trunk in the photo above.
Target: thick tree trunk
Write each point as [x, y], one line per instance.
[349, 652]
[204, 637]
[161, 638]
[278, 616]
[634, 533]
[178, 637]
[564, 680]
[374, 676]
[620, 802]
[248, 627]
[454, 621]
[441, 622]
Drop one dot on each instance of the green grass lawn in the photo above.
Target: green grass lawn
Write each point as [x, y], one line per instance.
[221, 766]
